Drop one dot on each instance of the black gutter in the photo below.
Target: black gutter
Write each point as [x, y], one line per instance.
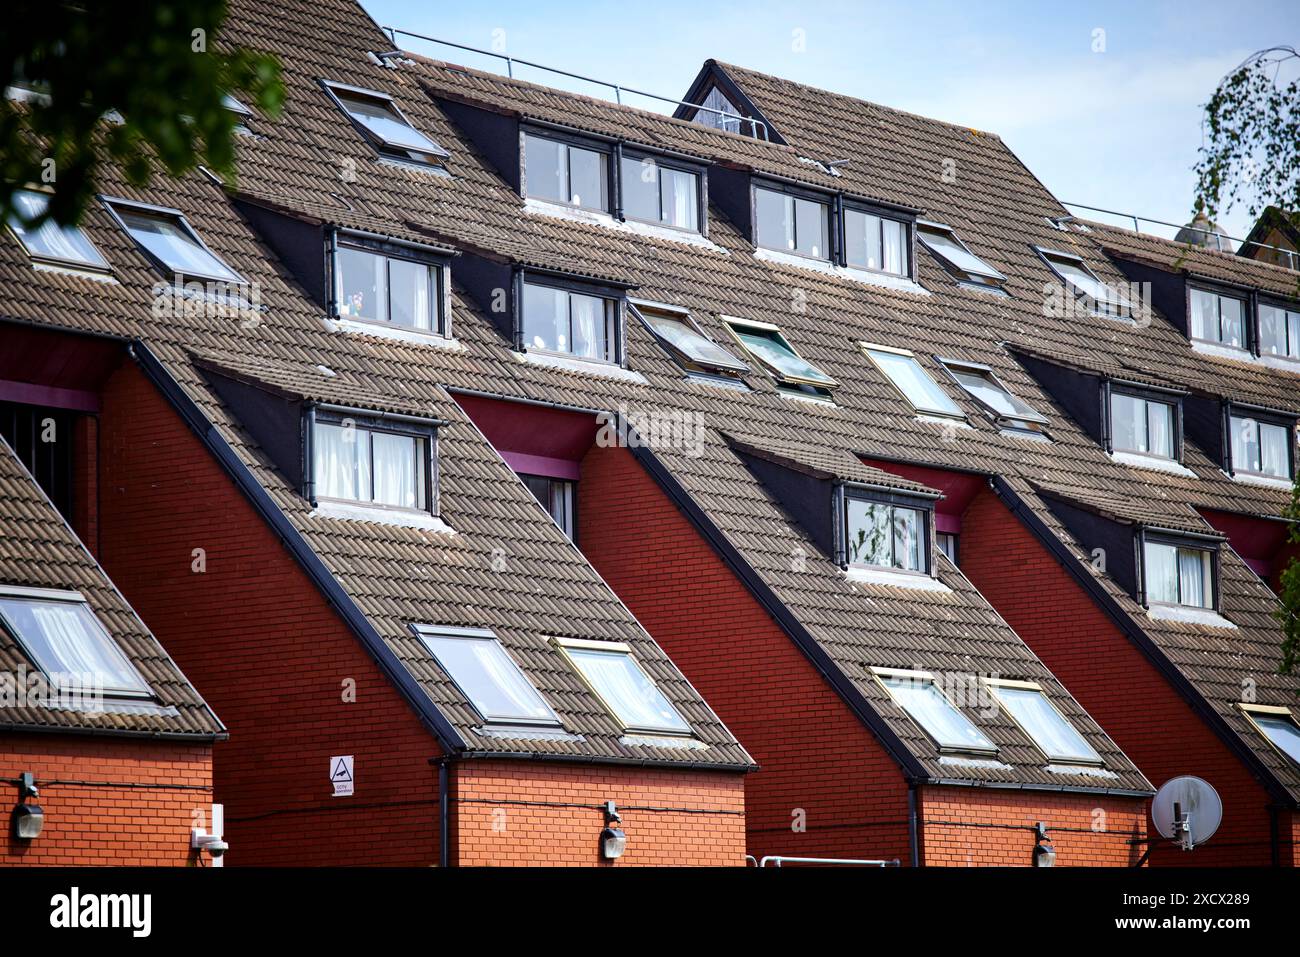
[192, 737]
[1133, 631]
[663, 764]
[307, 559]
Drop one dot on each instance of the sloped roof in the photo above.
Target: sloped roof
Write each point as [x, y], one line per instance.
[39, 550]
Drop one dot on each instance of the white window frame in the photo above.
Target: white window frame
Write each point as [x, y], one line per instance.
[773, 331]
[737, 367]
[988, 278]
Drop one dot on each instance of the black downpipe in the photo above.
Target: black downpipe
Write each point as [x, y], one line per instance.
[444, 814]
[913, 826]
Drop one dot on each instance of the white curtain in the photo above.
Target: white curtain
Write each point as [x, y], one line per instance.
[342, 462]
[1245, 445]
[588, 319]
[907, 539]
[894, 261]
[628, 691]
[1161, 573]
[79, 649]
[1191, 577]
[1160, 438]
[395, 470]
[1273, 442]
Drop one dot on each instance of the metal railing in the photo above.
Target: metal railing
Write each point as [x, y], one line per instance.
[754, 124]
[777, 860]
[1290, 256]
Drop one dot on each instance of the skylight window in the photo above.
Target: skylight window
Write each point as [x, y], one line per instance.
[1178, 575]
[875, 242]
[169, 240]
[1143, 426]
[50, 242]
[357, 463]
[563, 172]
[987, 389]
[486, 675]
[955, 257]
[1279, 331]
[886, 535]
[624, 687]
[1261, 448]
[769, 348]
[1217, 318]
[1103, 299]
[655, 191]
[789, 223]
[907, 376]
[567, 322]
[1046, 727]
[918, 695]
[65, 639]
[1278, 725]
[692, 348]
[385, 125]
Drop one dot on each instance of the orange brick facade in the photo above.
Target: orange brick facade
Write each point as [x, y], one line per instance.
[515, 814]
[826, 787]
[108, 801]
[1116, 683]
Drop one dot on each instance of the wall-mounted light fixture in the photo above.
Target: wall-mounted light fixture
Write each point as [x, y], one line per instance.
[1044, 853]
[28, 816]
[612, 839]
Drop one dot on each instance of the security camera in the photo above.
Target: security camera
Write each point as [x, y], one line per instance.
[203, 841]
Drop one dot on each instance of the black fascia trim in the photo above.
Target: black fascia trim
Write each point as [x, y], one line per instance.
[193, 737]
[605, 288]
[713, 74]
[1133, 631]
[430, 253]
[569, 135]
[488, 755]
[310, 562]
[912, 768]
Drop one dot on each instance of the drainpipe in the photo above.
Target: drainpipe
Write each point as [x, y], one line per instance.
[913, 825]
[444, 817]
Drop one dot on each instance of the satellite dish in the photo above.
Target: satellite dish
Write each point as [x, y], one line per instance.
[1187, 810]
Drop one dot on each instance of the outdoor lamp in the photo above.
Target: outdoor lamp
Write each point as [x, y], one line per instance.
[28, 816]
[1044, 853]
[612, 839]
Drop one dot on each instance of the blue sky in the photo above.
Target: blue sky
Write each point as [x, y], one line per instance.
[1116, 127]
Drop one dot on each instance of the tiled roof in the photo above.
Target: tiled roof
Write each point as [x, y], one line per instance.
[39, 550]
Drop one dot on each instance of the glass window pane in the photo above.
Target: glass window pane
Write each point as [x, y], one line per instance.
[681, 192]
[948, 248]
[1194, 577]
[689, 342]
[66, 639]
[1057, 738]
[1231, 322]
[986, 390]
[1160, 429]
[1274, 450]
[627, 690]
[1282, 731]
[545, 169]
[587, 179]
[363, 286]
[774, 221]
[1127, 423]
[1272, 331]
[490, 678]
[810, 228]
[381, 119]
[1161, 570]
[166, 239]
[861, 239]
[1082, 280]
[49, 240]
[546, 318]
[913, 381]
[1293, 334]
[342, 462]
[641, 189]
[775, 353]
[411, 294]
[1245, 445]
[590, 329]
[1204, 315]
[908, 530]
[869, 533]
[894, 248]
[395, 464]
[929, 708]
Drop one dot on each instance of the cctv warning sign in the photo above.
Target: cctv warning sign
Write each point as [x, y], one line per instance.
[341, 775]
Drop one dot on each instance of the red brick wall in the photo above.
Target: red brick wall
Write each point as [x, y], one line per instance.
[965, 827]
[1111, 678]
[514, 813]
[266, 651]
[125, 801]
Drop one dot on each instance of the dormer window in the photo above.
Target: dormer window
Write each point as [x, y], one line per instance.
[372, 461]
[987, 389]
[791, 222]
[1261, 447]
[687, 343]
[1144, 425]
[1279, 331]
[49, 242]
[1217, 318]
[921, 698]
[765, 343]
[903, 371]
[385, 126]
[1177, 573]
[166, 237]
[876, 243]
[660, 191]
[389, 284]
[1083, 282]
[956, 257]
[560, 171]
[563, 319]
[64, 638]
[885, 532]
